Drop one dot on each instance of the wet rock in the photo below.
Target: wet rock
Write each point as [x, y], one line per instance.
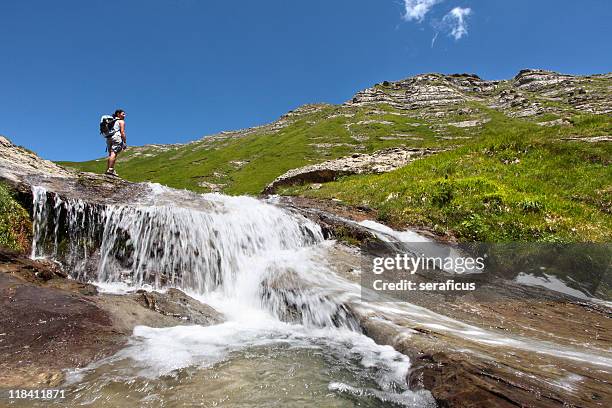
[50, 323]
[457, 382]
[43, 272]
[296, 300]
[463, 373]
[47, 329]
[178, 305]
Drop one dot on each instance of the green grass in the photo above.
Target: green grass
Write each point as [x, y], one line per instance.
[15, 225]
[516, 181]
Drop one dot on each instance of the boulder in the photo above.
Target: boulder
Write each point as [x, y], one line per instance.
[381, 161]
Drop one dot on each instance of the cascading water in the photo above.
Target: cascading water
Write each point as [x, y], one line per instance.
[234, 245]
[252, 261]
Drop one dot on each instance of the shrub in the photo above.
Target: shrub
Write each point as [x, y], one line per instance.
[442, 193]
[531, 205]
[15, 225]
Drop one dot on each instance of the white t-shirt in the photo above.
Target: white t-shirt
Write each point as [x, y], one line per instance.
[116, 127]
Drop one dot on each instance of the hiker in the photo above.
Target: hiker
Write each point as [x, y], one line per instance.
[116, 141]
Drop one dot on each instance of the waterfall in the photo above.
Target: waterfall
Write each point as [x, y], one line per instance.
[237, 246]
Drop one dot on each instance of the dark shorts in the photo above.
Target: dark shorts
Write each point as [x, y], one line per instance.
[114, 144]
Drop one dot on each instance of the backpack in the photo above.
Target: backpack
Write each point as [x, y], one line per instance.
[107, 123]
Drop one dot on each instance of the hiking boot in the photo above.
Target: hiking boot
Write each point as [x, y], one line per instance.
[111, 172]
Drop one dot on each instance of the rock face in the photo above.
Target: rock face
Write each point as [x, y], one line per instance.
[381, 161]
[539, 79]
[527, 94]
[18, 160]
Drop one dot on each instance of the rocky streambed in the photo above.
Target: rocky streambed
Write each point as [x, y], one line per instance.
[156, 296]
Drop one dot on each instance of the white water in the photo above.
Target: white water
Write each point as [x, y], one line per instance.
[254, 262]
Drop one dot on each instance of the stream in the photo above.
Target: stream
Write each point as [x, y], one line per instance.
[288, 339]
[291, 335]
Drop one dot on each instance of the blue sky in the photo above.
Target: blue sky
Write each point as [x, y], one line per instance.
[183, 69]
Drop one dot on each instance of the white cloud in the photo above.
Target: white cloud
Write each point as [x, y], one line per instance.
[455, 21]
[416, 9]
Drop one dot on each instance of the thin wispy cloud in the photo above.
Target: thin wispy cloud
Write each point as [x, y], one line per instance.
[433, 40]
[455, 22]
[417, 9]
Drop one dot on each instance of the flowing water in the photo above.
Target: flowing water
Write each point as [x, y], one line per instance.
[289, 339]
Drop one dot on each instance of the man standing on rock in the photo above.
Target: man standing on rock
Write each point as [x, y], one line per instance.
[116, 142]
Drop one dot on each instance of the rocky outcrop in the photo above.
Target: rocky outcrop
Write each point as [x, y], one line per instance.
[19, 160]
[469, 123]
[428, 90]
[381, 161]
[527, 94]
[336, 219]
[538, 79]
[50, 322]
[176, 304]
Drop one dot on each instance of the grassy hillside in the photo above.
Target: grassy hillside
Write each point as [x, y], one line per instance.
[516, 181]
[508, 174]
[245, 162]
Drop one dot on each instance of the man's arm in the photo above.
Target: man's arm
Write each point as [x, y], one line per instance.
[122, 129]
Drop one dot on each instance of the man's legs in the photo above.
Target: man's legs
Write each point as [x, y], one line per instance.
[112, 156]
